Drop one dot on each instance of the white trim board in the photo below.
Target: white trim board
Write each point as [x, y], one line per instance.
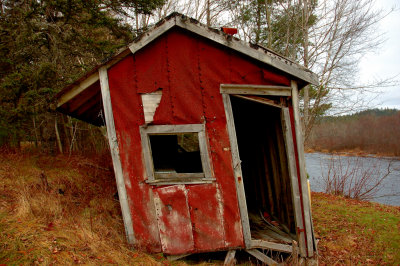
[112, 140]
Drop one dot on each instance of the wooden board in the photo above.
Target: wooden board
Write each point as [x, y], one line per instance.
[255, 89]
[206, 211]
[112, 139]
[86, 83]
[237, 170]
[287, 129]
[173, 217]
[261, 256]
[302, 169]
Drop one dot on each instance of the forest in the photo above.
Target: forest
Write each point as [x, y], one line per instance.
[46, 45]
[374, 131]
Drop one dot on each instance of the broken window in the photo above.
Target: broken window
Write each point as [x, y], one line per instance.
[176, 154]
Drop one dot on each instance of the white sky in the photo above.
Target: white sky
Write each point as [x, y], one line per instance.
[385, 62]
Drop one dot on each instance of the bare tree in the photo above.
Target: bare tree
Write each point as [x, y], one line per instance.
[206, 11]
[327, 36]
[345, 31]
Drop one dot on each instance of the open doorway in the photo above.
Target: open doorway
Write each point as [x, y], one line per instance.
[264, 165]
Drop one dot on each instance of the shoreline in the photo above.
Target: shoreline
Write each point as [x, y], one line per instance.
[355, 153]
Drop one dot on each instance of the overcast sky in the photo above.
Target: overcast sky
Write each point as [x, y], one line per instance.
[385, 62]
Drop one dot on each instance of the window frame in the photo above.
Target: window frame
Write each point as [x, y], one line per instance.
[154, 178]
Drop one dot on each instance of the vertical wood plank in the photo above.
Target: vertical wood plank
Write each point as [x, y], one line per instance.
[204, 153]
[293, 178]
[206, 213]
[112, 140]
[147, 156]
[230, 258]
[276, 180]
[303, 176]
[237, 170]
[283, 161]
[174, 221]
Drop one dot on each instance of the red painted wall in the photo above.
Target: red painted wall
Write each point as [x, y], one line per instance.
[190, 70]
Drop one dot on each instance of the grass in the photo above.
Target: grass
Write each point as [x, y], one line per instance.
[356, 232]
[78, 221]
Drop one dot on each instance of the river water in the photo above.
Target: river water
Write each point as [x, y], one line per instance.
[318, 165]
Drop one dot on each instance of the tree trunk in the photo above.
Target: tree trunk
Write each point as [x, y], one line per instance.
[72, 146]
[258, 31]
[35, 130]
[1, 8]
[306, 89]
[268, 15]
[208, 14]
[60, 149]
[66, 133]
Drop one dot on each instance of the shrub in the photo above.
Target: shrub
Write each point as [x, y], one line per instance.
[352, 178]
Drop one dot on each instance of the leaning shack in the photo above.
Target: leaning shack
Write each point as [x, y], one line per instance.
[206, 143]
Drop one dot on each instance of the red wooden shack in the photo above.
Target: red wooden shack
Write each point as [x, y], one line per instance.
[206, 141]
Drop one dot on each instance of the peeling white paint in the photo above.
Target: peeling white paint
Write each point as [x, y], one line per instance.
[151, 206]
[161, 226]
[220, 211]
[173, 189]
[128, 182]
[150, 103]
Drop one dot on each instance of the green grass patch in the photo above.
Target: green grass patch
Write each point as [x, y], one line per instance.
[357, 232]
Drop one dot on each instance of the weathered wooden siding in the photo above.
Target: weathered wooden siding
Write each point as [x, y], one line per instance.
[173, 218]
[128, 116]
[206, 211]
[189, 70]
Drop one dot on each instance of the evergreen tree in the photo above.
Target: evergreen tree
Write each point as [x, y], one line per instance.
[46, 44]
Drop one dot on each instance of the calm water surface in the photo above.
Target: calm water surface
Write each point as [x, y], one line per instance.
[317, 165]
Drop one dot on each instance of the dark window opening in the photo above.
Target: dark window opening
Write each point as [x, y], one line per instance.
[177, 153]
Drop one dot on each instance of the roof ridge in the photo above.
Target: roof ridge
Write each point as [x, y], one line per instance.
[218, 30]
[176, 19]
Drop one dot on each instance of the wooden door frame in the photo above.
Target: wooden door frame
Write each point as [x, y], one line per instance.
[284, 91]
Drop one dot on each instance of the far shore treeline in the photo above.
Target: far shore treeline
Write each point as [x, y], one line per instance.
[374, 131]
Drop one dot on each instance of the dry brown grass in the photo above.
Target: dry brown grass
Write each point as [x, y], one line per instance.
[77, 220]
[83, 224]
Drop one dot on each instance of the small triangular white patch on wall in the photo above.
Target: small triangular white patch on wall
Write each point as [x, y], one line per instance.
[150, 103]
